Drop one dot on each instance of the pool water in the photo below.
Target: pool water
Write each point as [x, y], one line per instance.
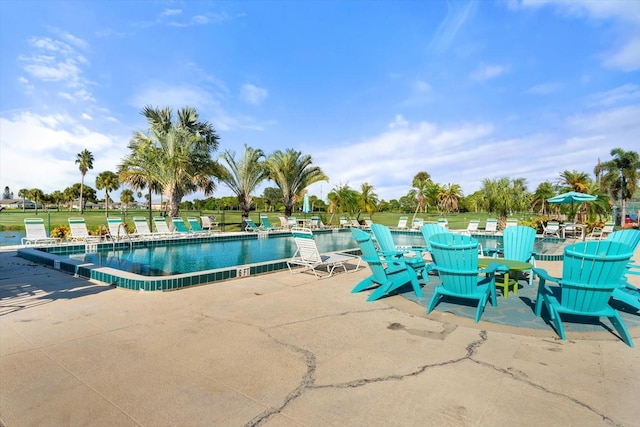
[203, 256]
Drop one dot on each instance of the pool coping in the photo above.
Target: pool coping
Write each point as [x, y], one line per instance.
[52, 256]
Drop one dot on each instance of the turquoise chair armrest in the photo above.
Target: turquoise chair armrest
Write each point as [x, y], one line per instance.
[542, 273]
[495, 267]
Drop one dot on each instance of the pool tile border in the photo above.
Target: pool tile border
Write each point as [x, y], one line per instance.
[56, 257]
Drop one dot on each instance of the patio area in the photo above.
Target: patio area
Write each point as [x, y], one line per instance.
[286, 349]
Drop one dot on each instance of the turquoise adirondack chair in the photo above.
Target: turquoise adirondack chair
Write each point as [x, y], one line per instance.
[590, 273]
[627, 293]
[389, 272]
[517, 244]
[388, 247]
[456, 261]
[429, 230]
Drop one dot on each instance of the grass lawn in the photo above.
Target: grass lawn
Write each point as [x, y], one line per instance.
[13, 220]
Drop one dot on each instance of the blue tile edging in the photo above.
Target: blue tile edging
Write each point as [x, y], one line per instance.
[132, 281]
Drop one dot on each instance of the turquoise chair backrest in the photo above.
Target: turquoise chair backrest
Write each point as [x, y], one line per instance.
[590, 273]
[518, 241]
[456, 258]
[194, 224]
[629, 237]
[265, 221]
[429, 230]
[179, 224]
[383, 237]
[369, 254]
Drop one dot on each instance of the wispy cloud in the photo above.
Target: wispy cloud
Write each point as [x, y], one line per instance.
[457, 14]
[252, 94]
[623, 53]
[625, 93]
[544, 88]
[487, 72]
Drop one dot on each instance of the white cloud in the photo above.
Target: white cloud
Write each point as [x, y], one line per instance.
[544, 88]
[628, 92]
[39, 151]
[171, 12]
[622, 55]
[487, 72]
[399, 122]
[252, 94]
[86, 116]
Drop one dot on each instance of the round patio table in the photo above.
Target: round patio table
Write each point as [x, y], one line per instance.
[513, 265]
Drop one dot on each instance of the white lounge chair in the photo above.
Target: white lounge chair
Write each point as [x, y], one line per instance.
[80, 233]
[208, 223]
[355, 223]
[308, 256]
[117, 229]
[511, 223]
[36, 233]
[472, 227]
[368, 222]
[417, 223]
[601, 232]
[161, 226]
[491, 226]
[142, 228]
[402, 223]
[344, 222]
[551, 228]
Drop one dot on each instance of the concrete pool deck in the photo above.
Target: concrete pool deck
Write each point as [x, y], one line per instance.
[286, 349]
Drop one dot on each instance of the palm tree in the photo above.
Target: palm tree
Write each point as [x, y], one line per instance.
[24, 193]
[574, 181]
[84, 160]
[367, 200]
[293, 172]
[621, 176]
[180, 151]
[139, 168]
[421, 183]
[244, 175]
[36, 195]
[543, 192]
[126, 197]
[108, 181]
[449, 197]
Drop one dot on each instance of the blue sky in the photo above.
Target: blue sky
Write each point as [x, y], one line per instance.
[374, 91]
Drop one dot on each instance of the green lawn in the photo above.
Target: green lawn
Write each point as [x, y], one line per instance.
[230, 220]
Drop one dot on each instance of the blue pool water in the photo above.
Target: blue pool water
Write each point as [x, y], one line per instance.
[202, 256]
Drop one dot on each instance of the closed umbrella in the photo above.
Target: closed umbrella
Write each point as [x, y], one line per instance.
[572, 197]
[306, 207]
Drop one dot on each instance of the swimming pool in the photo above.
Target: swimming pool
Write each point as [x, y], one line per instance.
[176, 263]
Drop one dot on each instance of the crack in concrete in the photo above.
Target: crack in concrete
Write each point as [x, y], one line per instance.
[308, 381]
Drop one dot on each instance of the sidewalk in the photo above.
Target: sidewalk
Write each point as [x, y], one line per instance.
[289, 350]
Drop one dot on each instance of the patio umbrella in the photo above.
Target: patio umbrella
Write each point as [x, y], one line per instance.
[572, 197]
[305, 205]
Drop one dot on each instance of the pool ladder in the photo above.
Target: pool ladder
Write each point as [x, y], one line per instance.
[113, 240]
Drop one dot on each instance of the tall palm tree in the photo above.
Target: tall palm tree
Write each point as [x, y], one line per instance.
[293, 172]
[243, 175]
[24, 193]
[139, 169]
[108, 181]
[181, 149]
[84, 160]
[621, 175]
[36, 195]
[421, 183]
[367, 200]
[126, 197]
